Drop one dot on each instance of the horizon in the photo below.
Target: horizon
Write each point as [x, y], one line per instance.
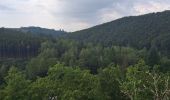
[83, 28]
[73, 16]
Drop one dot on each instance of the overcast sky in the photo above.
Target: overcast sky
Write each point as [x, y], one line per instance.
[72, 15]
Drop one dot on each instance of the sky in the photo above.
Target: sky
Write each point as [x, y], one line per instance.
[73, 15]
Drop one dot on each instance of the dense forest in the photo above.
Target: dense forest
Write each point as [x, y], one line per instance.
[135, 31]
[126, 59]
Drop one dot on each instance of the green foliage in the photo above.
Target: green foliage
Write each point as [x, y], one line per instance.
[75, 84]
[109, 84]
[16, 86]
[90, 55]
[158, 85]
[131, 86]
[133, 31]
[141, 83]
[42, 31]
[16, 44]
[43, 89]
[66, 83]
[165, 63]
[39, 66]
[72, 83]
[153, 56]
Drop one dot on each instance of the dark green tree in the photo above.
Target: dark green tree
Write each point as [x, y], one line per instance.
[153, 56]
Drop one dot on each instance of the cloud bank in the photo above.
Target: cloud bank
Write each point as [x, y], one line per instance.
[72, 15]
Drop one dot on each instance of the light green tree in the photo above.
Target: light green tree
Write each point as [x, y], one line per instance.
[16, 85]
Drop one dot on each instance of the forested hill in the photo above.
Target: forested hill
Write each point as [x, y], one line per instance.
[42, 31]
[135, 31]
[17, 44]
[24, 42]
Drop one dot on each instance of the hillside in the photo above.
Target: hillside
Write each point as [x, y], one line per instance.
[17, 44]
[42, 31]
[25, 41]
[134, 31]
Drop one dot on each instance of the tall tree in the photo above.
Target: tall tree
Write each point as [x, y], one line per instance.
[153, 56]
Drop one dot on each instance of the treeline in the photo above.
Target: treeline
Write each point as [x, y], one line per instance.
[92, 57]
[87, 56]
[42, 31]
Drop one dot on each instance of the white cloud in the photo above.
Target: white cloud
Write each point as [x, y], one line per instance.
[151, 6]
[108, 15]
[72, 15]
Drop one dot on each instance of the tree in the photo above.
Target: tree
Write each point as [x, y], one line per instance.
[70, 57]
[3, 72]
[141, 83]
[39, 65]
[91, 58]
[132, 84]
[158, 84]
[74, 84]
[153, 56]
[43, 89]
[16, 85]
[109, 84]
